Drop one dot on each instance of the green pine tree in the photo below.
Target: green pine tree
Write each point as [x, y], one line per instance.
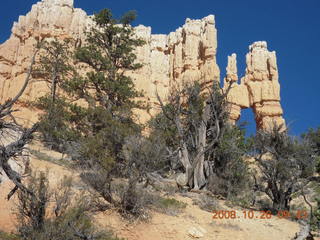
[109, 93]
[55, 66]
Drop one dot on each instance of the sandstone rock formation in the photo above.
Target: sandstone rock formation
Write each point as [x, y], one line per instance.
[186, 55]
[258, 89]
[48, 18]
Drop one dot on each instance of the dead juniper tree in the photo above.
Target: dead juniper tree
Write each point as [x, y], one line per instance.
[200, 119]
[14, 137]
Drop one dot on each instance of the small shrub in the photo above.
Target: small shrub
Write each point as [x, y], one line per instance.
[100, 181]
[59, 220]
[207, 203]
[8, 236]
[32, 208]
[169, 206]
[315, 186]
[230, 226]
[128, 198]
[133, 204]
[313, 137]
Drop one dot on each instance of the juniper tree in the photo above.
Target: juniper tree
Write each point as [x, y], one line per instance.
[197, 127]
[313, 138]
[285, 165]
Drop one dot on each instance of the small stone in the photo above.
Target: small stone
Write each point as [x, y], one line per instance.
[196, 232]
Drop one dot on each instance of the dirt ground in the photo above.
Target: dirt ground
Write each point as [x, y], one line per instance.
[162, 226]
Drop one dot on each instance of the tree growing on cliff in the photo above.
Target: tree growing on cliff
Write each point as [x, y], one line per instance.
[285, 165]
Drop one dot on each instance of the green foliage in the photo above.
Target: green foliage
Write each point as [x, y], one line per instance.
[73, 225]
[143, 155]
[93, 133]
[51, 214]
[315, 223]
[171, 203]
[169, 206]
[109, 54]
[187, 105]
[313, 137]
[318, 164]
[55, 67]
[162, 128]
[110, 95]
[54, 125]
[8, 236]
[285, 164]
[231, 173]
[55, 62]
[180, 123]
[105, 137]
[133, 202]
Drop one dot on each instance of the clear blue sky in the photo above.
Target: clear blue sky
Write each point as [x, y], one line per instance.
[291, 28]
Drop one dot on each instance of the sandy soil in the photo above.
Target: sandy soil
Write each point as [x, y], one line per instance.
[165, 227]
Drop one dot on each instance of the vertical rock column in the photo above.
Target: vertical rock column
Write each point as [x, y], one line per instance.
[238, 96]
[262, 81]
[169, 61]
[192, 50]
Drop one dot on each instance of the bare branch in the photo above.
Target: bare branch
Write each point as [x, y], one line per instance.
[5, 109]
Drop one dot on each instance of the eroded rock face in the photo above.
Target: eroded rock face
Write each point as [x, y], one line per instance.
[47, 19]
[185, 55]
[262, 79]
[258, 89]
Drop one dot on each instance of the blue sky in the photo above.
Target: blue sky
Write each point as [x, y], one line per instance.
[291, 28]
